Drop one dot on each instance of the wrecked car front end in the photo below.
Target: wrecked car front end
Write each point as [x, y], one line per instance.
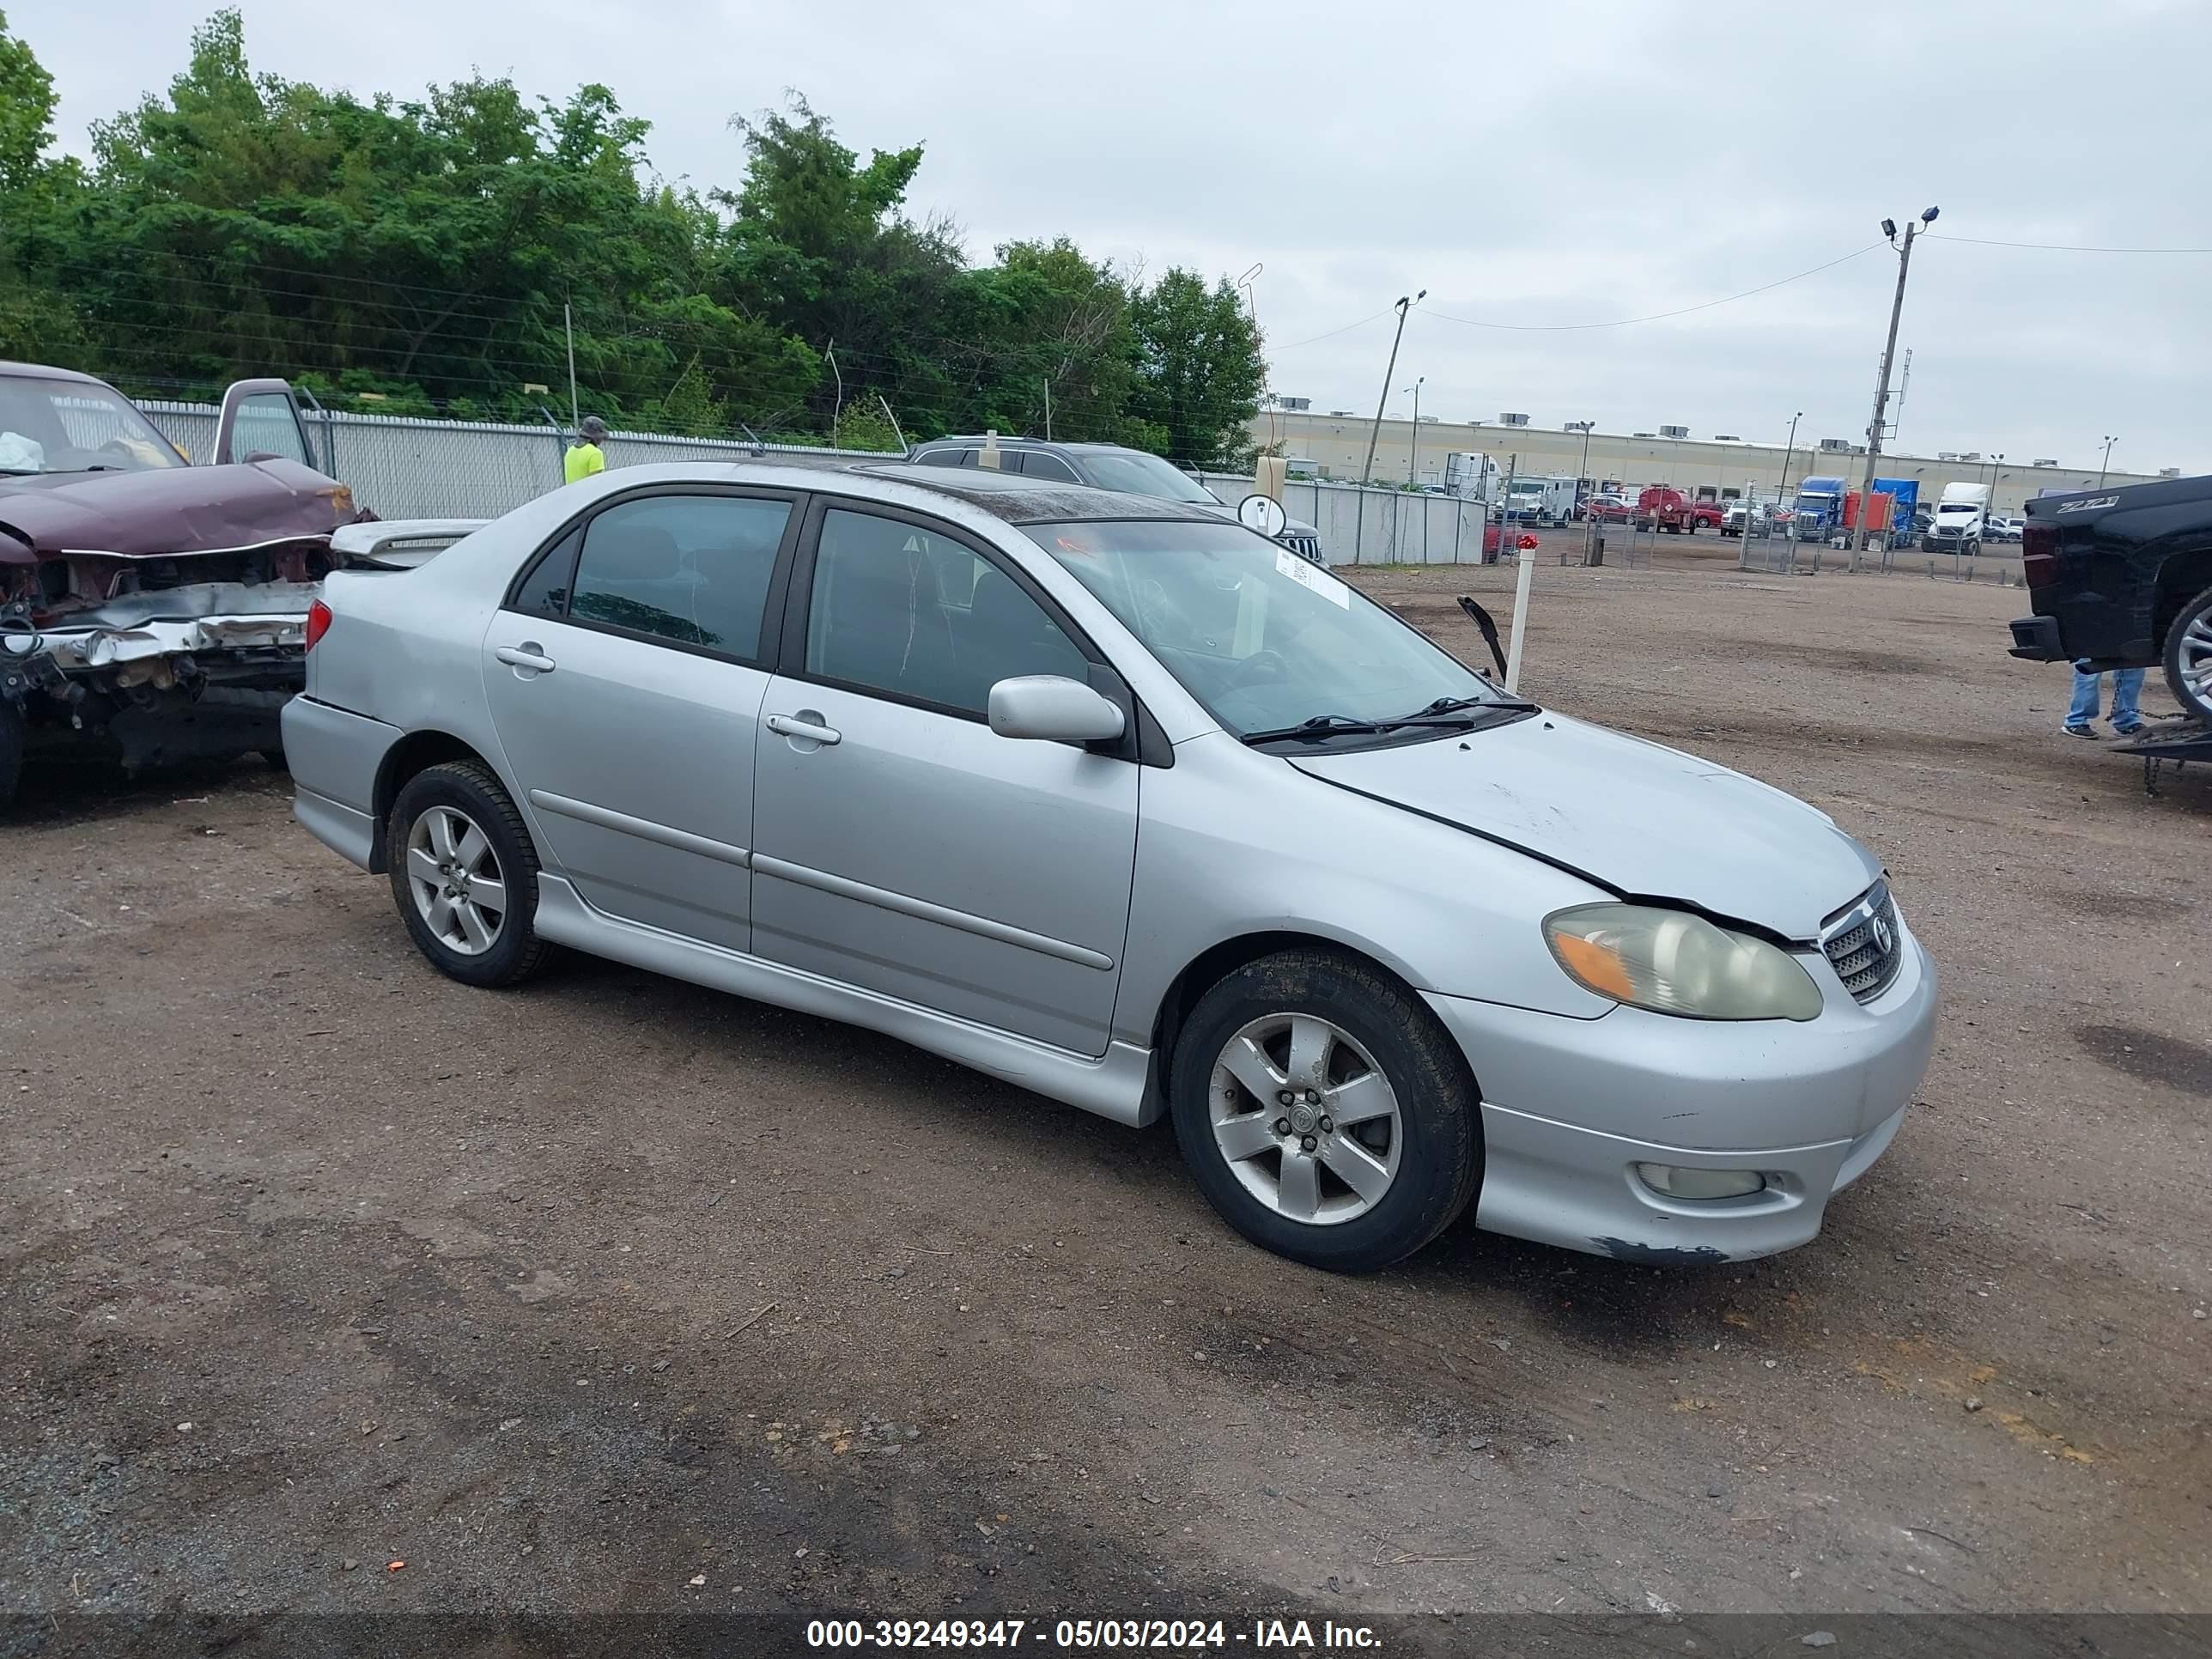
[150, 654]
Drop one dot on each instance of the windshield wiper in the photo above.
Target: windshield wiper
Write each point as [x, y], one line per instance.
[1320, 725]
[1343, 726]
[1453, 705]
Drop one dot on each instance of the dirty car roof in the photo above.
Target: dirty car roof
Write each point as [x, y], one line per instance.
[1018, 500]
[48, 371]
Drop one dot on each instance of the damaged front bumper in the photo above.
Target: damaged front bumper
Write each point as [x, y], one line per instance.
[196, 672]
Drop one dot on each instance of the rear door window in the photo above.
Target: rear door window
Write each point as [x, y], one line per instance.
[690, 570]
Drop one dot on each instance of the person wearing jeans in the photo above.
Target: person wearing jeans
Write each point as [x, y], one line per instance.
[2127, 688]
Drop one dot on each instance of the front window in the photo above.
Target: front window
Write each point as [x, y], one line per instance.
[74, 426]
[1263, 639]
[1135, 473]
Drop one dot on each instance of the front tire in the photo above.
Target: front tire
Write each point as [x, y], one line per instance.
[464, 875]
[1324, 1113]
[2187, 657]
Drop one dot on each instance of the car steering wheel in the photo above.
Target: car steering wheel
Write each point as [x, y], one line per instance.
[1258, 666]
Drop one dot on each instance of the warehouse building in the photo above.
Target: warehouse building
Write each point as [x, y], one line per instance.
[1334, 446]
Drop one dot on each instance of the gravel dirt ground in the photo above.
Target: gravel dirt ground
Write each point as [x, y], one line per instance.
[619, 1295]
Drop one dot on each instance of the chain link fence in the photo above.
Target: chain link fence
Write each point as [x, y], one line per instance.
[401, 467]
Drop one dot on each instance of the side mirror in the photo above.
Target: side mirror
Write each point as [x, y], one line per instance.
[1052, 709]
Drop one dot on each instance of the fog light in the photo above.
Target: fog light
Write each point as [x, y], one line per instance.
[1699, 1183]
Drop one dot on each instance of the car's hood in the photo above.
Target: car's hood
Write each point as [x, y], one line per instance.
[1291, 527]
[185, 509]
[1647, 821]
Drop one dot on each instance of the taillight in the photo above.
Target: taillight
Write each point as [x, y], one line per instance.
[318, 622]
[2039, 554]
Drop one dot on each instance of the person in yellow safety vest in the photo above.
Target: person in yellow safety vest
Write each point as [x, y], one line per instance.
[585, 456]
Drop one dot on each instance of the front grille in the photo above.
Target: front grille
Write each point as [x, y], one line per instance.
[1864, 943]
[1306, 547]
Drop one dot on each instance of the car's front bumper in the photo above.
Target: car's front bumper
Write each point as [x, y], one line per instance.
[1572, 1106]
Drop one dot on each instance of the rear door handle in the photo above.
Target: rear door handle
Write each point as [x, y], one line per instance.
[806, 731]
[525, 655]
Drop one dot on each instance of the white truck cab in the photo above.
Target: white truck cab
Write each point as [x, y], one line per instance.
[1961, 516]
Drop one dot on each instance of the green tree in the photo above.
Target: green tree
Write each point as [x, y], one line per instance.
[1200, 372]
[26, 112]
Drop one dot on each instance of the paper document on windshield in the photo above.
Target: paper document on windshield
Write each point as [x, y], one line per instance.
[1306, 574]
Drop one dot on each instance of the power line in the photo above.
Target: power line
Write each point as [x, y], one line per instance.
[1656, 316]
[2063, 247]
[1334, 332]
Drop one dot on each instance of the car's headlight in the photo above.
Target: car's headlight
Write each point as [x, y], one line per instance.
[1673, 962]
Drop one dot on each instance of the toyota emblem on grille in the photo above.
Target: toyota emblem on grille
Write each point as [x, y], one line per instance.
[1882, 937]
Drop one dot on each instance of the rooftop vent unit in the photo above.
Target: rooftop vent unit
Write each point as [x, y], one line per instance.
[1836, 446]
[1726, 438]
[1674, 432]
[2169, 472]
[1643, 435]
[1512, 420]
[2046, 460]
[1947, 454]
[1970, 455]
[1294, 403]
[1339, 411]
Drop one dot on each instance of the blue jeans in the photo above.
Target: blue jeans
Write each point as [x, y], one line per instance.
[2127, 687]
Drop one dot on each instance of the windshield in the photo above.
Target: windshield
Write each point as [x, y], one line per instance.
[1813, 503]
[1956, 507]
[1528, 489]
[74, 426]
[1261, 637]
[1135, 473]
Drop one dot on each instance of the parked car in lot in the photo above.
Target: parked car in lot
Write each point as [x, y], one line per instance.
[1106, 467]
[1606, 509]
[2121, 577]
[151, 610]
[2003, 527]
[1108, 797]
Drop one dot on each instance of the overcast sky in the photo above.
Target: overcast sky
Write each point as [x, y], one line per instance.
[1573, 163]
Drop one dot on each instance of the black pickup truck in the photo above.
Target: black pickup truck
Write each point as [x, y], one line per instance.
[2122, 578]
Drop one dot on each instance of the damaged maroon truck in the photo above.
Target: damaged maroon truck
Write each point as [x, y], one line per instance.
[150, 609]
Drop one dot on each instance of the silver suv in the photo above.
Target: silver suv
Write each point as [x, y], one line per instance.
[1104, 466]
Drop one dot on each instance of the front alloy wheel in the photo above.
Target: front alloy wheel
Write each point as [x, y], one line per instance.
[1324, 1112]
[1305, 1119]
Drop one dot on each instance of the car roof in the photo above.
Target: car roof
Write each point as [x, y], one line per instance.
[1019, 500]
[1005, 442]
[47, 372]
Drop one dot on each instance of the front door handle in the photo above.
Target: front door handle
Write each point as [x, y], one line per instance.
[806, 731]
[525, 655]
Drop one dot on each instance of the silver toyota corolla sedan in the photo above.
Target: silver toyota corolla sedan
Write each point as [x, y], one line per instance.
[1128, 805]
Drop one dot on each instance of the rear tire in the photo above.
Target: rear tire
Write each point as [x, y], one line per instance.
[1336, 1035]
[2187, 657]
[464, 875]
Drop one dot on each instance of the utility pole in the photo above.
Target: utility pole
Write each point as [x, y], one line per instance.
[2106, 465]
[1881, 384]
[1413, 449]
[1582, 477]
[1788, 454]
[1359, 524]
[1047, 409]
[568, 327]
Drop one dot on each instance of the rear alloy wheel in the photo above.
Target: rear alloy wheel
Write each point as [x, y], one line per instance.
[464, 875]
[1323, 1112]
[2188, 657]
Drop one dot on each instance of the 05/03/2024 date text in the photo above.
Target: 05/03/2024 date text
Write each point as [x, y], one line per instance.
[1163, 1635]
